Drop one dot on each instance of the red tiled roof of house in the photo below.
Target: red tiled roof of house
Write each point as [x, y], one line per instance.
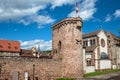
[90, 48]
[9, 46]
[91, 34]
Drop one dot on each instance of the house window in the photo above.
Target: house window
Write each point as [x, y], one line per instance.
[92, 42]
[89, 62]
[15, 47]
[104, 55]
[108, 36]
[102, 42]
[9, 45]
[85, 43]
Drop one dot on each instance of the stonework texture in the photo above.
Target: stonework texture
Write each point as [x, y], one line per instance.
[67, 42]
[44, 69]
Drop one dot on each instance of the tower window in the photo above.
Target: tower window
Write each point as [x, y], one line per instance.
[79, 28]
[59, 45]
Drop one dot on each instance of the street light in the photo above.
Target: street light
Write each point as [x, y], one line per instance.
[33, 71]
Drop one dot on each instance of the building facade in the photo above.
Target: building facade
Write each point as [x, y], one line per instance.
[96, 52]
[9, 48]
[114, 49]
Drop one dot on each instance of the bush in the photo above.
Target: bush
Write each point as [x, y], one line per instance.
[65, 79]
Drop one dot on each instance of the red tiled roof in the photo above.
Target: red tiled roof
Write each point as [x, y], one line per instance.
[91, 34]
[9, 46]
[90, 48]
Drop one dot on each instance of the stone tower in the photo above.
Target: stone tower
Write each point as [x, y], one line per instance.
[67, 44]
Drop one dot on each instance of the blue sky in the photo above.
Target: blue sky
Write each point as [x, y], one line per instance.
[30, 21]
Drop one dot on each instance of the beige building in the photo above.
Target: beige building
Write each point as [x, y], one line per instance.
[100, 51]
[96, 56]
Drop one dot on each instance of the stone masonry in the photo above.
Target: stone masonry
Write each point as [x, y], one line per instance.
[67, 43]
[44, 69]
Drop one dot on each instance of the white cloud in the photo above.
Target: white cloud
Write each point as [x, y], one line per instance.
[86, 10]
[40, 19]
[56, 3]
[44, 45]
[108, 18]
[117, 13]
[19, 10]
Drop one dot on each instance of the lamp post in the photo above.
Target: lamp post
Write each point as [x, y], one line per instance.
[33, 71]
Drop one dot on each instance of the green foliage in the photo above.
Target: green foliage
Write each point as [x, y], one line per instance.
[66, 79]
[100, 73]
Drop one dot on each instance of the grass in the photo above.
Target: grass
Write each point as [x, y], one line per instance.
[65, 79]
[100, 73]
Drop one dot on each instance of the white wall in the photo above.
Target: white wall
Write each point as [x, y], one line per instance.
[84, 62]
[114, 67]
[102, 35]
[90, 69]
[105, 64]
[88, 55]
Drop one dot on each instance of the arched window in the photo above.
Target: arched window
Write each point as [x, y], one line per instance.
[104, 55]
[59, 45]
[88, 62]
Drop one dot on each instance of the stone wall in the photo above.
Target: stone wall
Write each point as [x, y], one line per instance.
[67, 43]
[44, 69]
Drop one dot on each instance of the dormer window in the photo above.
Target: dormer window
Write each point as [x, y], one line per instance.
[9, 45]
[15, 47]
[1, 46]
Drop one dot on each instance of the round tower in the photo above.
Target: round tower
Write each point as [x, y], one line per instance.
[67, 44]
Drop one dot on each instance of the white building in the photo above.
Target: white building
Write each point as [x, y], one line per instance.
[96, 56]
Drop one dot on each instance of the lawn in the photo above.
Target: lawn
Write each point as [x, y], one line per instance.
[100, 73]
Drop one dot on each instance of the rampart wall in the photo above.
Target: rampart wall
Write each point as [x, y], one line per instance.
[43, 69]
